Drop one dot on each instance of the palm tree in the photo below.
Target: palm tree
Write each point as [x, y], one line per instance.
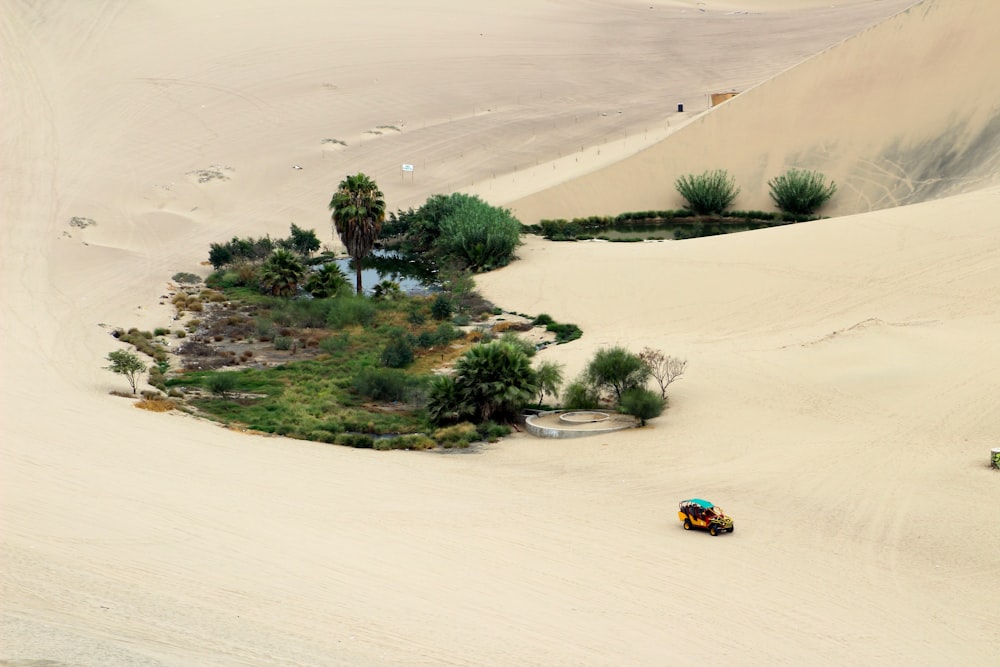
[281, 274]
[497, 378]
[358, 209]
[326, 282]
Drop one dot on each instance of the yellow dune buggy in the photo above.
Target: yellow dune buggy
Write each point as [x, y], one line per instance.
[698, 513]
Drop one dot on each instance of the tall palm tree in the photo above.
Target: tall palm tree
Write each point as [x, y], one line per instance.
[358, 210]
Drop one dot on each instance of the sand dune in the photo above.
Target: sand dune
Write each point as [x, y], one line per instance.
[840, 399]
[896, 115]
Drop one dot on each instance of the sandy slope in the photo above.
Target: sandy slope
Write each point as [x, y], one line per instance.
[840, 401]
[900, 114]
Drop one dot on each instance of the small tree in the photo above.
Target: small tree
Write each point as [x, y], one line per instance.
[801, 191]
[664, 369]
[124, 362]
[617, 369]
[642, 403]
[710, 193]
[549, 377]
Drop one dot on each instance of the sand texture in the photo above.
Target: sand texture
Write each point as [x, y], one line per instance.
[843, 382]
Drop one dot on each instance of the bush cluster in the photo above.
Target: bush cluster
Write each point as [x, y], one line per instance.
[801, 192]
[709, 193]
[457, 228]
[300, 241]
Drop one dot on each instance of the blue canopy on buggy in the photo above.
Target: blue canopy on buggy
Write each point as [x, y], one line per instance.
[700, 503]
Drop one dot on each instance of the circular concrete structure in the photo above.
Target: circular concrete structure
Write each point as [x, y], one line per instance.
[577, 424]
[584, 417]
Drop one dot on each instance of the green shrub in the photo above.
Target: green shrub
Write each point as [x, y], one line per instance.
[490, 431]
[335, 344]
[801, 192]
[347, 311]
[459, 435]
[642, 403]
[442, 307]
[398, 353]
[709, 193]
[580, 396]
[564, 332]
[382, 384]
[481, 236]
[222, 383]
[356, 440]
[283, 343]
[412, 442]
[543, 320]
[185, 277]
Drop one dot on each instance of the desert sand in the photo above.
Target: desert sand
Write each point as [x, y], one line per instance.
[840, 401]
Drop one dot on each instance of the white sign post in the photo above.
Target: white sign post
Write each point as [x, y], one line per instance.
[406, 168]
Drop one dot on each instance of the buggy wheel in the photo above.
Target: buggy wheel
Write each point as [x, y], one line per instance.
[713, 531]
[687, 524]
[732, 529]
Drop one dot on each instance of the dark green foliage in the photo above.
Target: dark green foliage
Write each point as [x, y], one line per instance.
[616, 369]
[708, 193]
[445, 333]
[458, 227]
[640, 225]
[248, 249]
[336, 344]
[300, 241]
[398, 352]
[327, 281]
[419, 229]
[642, 403]
[356, 440]
[442, 307]
[281, 274]
[383, 384]
[496, 379]
[416, 316]
[222, 383]
[161, 331]
[358, 209]
[753, 216]
[445, 401]
[801, 192]
[490, 431]
[387, 290]
[283, 343]
[580, 396]
[543, 320]
[492, 381]
[481, 236]
[564, 332]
